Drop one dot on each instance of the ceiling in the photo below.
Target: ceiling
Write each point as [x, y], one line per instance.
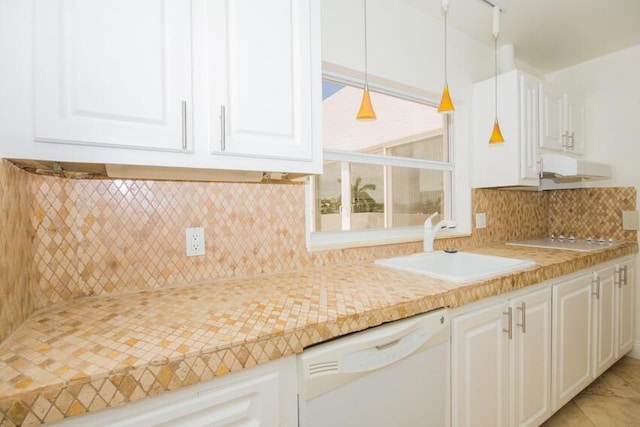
[548, 35]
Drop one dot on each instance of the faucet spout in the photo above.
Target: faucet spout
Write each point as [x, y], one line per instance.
[431, 231]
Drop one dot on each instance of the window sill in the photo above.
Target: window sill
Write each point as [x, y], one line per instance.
[320, 241]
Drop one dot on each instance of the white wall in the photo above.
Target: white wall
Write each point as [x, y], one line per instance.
[405, 45]
[611, 84]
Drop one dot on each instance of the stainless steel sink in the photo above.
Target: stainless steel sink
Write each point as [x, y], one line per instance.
[458, 267]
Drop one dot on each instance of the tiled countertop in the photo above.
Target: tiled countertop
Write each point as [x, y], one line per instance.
[96, 352]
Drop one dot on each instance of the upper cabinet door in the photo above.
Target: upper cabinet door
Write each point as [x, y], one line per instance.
[515, 161]
[113, 72]
[552, 120]
[529, 127]
[562, 121]
[576, 124]
[264, 79]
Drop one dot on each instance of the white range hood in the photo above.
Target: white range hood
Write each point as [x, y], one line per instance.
[559, 169]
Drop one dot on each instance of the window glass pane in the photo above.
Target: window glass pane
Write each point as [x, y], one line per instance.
[417, 193]
[374, 194]
[367, 196]
[413, 129]
[329, 198]
[432, 148]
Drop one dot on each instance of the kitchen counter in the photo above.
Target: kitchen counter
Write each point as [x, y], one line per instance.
[97, 352]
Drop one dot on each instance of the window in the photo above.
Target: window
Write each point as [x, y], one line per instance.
[381, 178]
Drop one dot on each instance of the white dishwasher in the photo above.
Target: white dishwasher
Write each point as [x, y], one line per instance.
[396, 374]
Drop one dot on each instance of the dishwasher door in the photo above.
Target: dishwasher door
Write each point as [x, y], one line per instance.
[396, 374]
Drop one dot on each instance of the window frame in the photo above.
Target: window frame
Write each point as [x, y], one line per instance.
[323, 240]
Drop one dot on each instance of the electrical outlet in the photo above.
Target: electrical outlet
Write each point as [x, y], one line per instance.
[630, 220]
[195, 241]
[481, 220]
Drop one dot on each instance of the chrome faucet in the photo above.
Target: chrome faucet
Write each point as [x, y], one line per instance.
[430, 231]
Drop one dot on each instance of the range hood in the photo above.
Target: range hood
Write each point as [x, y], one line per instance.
[561, 168]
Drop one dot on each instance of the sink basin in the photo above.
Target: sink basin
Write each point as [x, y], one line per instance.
[458, 267]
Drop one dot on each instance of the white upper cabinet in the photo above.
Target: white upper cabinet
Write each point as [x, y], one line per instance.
[562, 121]
[261, 79]
[113, 72]
[513, 162]
[140, 85]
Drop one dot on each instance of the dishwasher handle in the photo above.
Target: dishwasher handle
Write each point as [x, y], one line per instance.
[332, 364]
[382, 355]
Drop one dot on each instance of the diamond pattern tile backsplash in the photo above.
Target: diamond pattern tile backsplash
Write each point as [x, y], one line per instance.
[18, 275]
[62, 238]
[596, 212]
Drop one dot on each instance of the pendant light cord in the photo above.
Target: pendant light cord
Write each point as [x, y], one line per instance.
[495, 49]
[445, 48]
[366, 72]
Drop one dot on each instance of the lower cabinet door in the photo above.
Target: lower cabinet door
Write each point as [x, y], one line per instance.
[530, 395]
[264, 395]
[480, 367]
[571, 332]
[604, 320]
[625, 290]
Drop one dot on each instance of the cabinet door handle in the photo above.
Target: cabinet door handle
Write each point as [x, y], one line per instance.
[624, 267]
[509, 330]
[184, 125]
[223, 132]
[570, 137]
[620, 276]
[523, 310]
[597, 283]
[540, 168]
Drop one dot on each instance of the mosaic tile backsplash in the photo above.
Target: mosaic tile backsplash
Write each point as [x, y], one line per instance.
[18, 275]
[62, 238]
[596, 212]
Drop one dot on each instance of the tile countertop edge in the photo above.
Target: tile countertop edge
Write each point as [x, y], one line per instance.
[173, 373]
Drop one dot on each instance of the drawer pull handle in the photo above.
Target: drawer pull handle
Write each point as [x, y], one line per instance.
[523, 309]
[509, 330]
[597, 283]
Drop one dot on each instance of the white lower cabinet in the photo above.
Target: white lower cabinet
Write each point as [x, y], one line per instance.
[501, 362]
[572, 338]
[265, 395]
[604, 319]
[530, 389]
[592, 327]
[613, 315]
[521, 357]
[624, 288]
[479, 368]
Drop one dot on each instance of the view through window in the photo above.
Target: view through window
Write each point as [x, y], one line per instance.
[391, 172]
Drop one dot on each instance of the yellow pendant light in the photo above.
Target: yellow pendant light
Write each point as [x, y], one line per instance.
[496, 134]
[366, 108]
[446, 105]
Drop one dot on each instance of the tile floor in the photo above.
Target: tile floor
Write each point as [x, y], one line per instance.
[611, 400]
